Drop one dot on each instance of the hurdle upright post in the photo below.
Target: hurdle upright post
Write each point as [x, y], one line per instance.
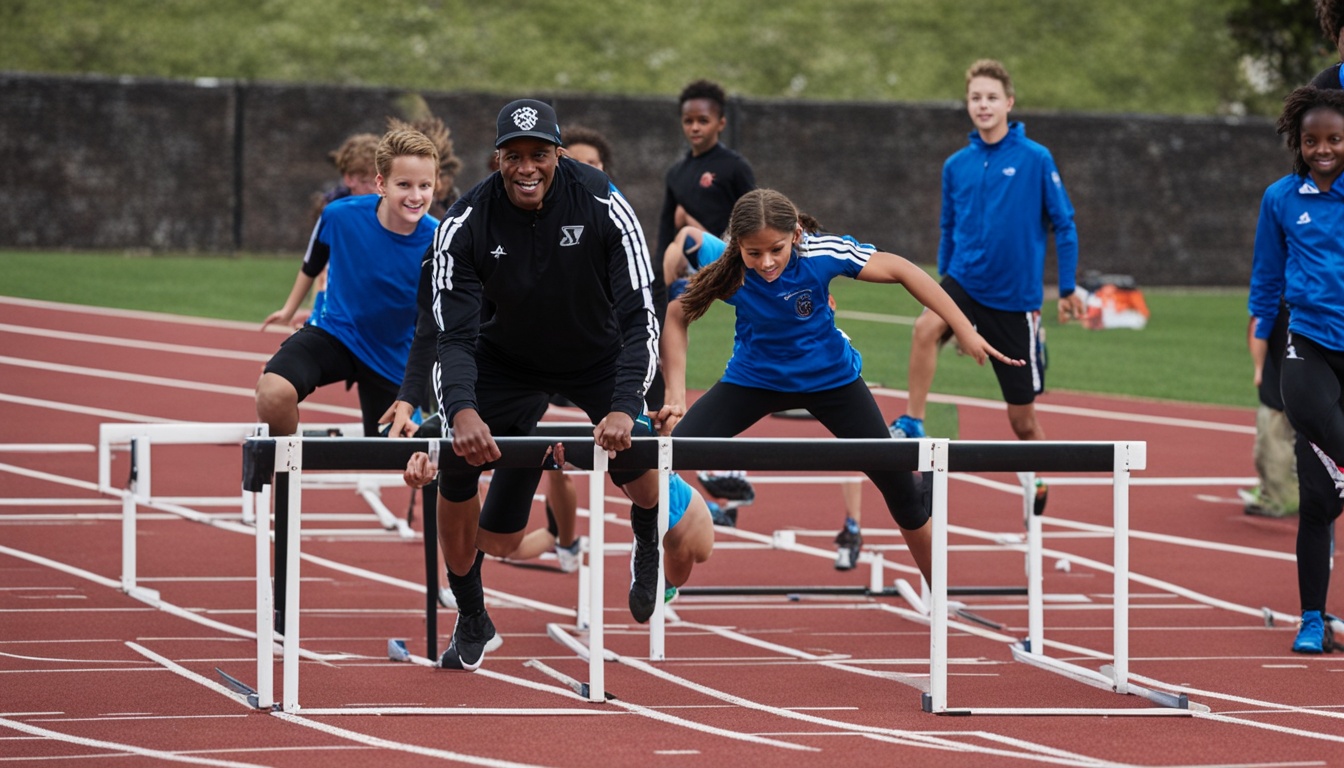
[1128, 456]
[137, 489]
[265, 603]
[1035, 570]
[657, 623]
[933, 457]
[289, 458]
[597, 544]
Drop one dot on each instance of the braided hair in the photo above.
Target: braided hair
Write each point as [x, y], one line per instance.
[756, 210]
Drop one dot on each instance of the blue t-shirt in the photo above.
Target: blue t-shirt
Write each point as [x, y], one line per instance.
[372, 278]
[786, 339]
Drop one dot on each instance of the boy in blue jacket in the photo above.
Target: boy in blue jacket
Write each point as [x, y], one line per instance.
[1002, 196]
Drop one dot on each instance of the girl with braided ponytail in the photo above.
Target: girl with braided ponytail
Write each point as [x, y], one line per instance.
[787, 352]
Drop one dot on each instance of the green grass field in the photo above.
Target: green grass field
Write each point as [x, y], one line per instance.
[1194, 348]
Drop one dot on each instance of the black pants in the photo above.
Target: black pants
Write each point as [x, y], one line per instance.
[727, 410]
[1312, 383]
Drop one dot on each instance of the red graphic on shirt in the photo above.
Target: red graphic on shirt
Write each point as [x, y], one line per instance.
[706, 179]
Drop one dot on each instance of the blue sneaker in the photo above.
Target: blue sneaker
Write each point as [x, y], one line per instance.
[907, 428]
[847, 545]
[1311, 635]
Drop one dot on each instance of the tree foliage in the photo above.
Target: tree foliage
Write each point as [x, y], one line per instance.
[1156, 56]
[1283, 38]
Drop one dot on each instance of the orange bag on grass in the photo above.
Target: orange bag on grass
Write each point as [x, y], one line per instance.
[1113, 306]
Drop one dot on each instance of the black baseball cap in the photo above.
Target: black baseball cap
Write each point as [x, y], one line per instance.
[527, 117]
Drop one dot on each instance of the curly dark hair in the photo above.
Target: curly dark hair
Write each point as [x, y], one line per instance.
[1296, 106]
[582, 134]
[1330, 14]
[704, 89]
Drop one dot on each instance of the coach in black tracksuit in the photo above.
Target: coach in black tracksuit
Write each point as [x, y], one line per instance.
[559, 257]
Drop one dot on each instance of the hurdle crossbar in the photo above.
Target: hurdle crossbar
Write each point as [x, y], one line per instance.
[293, 456]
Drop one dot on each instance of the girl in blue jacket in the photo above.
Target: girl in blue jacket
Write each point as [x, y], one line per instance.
[1299, 255]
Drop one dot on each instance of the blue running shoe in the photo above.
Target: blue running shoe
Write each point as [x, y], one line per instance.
[847, 545]
[1311, 635]
[907, 428]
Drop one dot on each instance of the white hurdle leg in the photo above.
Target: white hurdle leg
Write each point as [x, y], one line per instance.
[597, 543]
[265, 606]
[1120, 500]
[933, 456]
[130, 497]
[292, 450]
[657, 648]
[1035, 573]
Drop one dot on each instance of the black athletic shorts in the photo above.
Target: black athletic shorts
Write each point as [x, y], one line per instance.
[511, 402]
[1017, 335]
[312, 358]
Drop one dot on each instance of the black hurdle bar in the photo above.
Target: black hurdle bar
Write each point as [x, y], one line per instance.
[762, 454]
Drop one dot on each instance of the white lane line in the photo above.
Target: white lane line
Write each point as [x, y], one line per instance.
[414, 749]
[178, 669]
[1184, 541]
[1070, 410]
[115, 341]
[907, 738]
[67, 407]
[158, 381]
[47, 476]
[119, 747]
[158, 317]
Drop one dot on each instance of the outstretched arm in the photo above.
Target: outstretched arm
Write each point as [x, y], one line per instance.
[883, 267]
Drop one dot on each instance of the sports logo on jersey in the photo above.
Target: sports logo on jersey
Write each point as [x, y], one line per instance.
[570, 235]
[499, 251]
[706, 179]
[1305, 218]
[1010, 172]
[802, 303]
[1054, 176]
[525, 118]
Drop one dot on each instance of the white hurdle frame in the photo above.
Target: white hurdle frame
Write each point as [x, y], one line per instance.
[1128, 456]
[933, 457]
[140, 438]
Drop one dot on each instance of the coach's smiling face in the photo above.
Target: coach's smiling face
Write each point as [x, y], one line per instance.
[527, 166]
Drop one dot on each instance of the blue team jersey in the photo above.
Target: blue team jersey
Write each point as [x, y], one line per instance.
[1299, 256]
[372, 278]
[786, 339]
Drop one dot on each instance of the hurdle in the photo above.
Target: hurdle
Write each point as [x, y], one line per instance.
[293, 456]
[138, 439]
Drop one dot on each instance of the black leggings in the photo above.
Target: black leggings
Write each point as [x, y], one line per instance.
[727, 410]
[1311, 379]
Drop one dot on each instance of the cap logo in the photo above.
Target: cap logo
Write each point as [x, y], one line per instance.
[525, 118]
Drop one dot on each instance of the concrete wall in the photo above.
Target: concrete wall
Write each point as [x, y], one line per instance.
[105, 163]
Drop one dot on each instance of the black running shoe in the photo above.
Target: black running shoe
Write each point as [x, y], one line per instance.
[732, 486]
[644, 590]
[471, 636]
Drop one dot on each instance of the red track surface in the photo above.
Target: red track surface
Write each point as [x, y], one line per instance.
[88, 672]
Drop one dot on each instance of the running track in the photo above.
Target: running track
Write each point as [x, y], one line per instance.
[91, 676]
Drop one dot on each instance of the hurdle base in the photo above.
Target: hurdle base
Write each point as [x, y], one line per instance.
[713, 591]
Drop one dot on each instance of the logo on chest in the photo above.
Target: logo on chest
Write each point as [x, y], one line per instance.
[570, 235]
[802, 303]
[499, 251]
